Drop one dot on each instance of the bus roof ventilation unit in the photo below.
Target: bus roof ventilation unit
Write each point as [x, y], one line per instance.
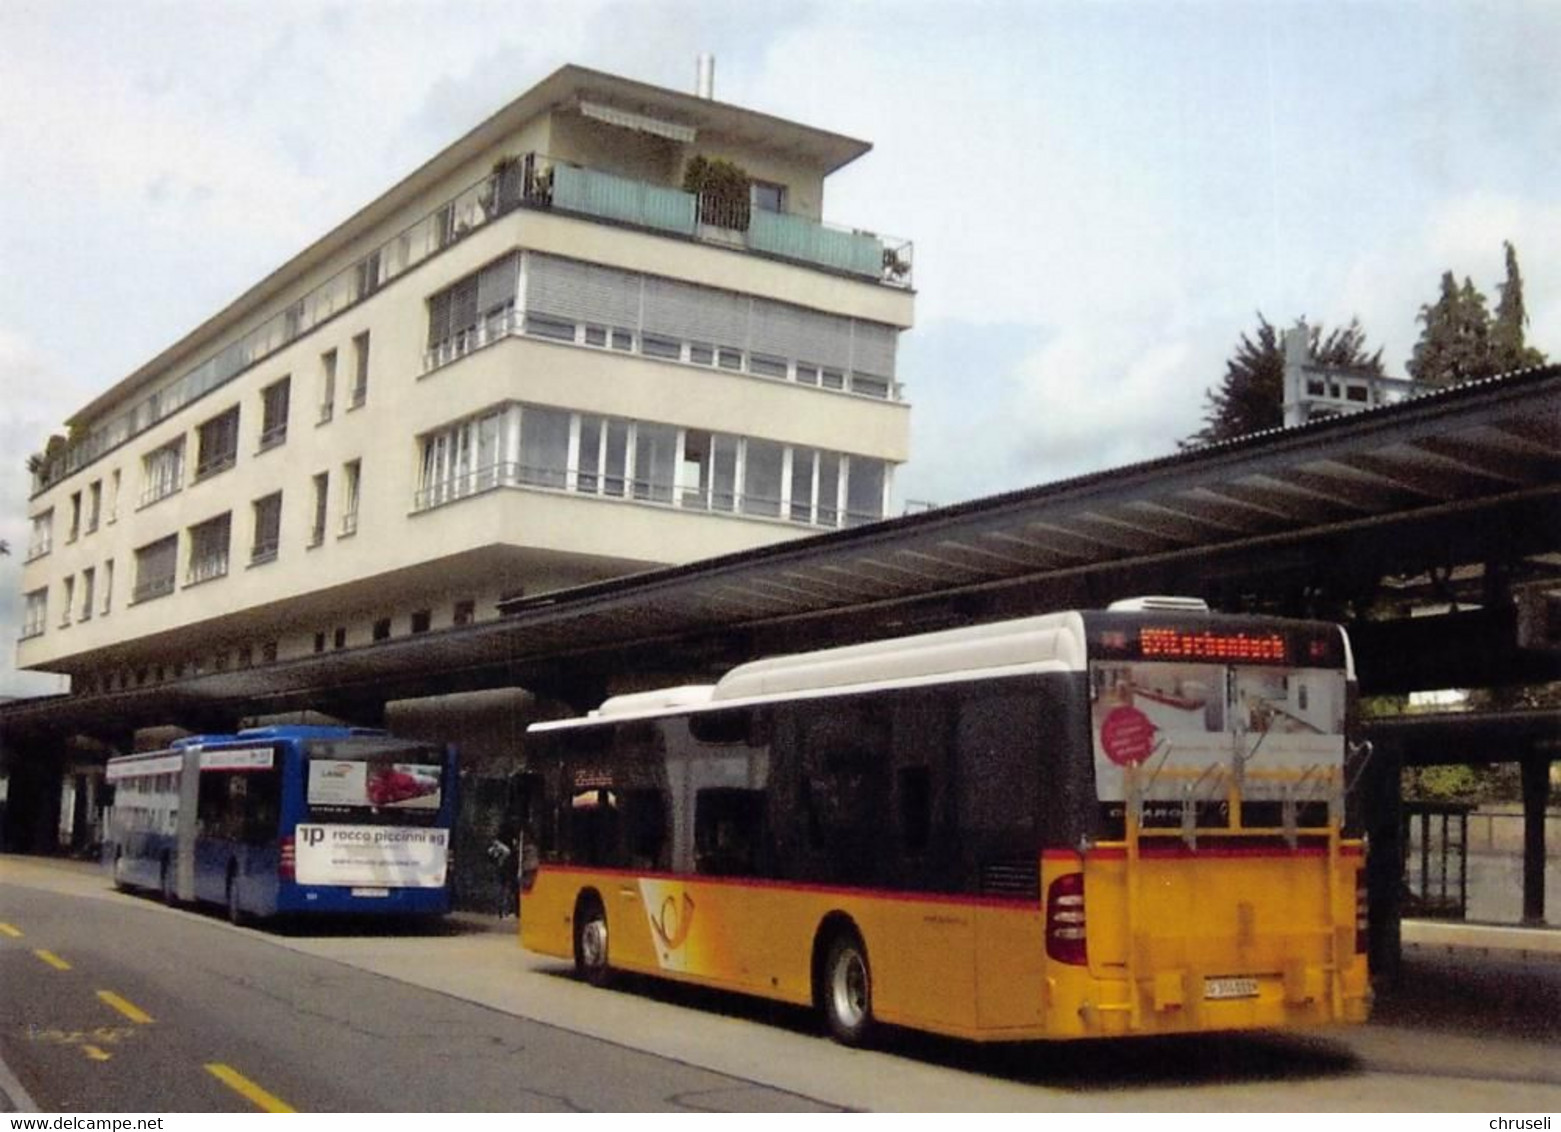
[661, 699]
[1159, 602]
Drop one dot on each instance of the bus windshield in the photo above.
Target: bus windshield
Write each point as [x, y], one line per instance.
[374, 781]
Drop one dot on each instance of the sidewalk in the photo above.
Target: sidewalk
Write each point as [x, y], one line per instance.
[1502, 940]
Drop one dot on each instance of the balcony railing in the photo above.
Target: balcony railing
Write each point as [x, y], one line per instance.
[160, 586]
[535, 181]
[271, 437]
[205, 567]
[217, 462]
[164, 485]
[550, 183]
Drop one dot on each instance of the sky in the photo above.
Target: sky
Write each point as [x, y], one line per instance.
[1102, 196]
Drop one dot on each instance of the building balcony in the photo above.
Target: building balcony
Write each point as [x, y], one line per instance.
[535, 181]
[564, 187]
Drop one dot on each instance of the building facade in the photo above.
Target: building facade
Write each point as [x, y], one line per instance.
[559, 351]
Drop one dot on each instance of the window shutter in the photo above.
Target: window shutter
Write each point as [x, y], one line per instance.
[697, 314]
[582, 292]
[872, 348]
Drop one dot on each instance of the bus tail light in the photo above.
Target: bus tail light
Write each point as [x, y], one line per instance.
[1065, 929]
[287, 864]
[1362, 920]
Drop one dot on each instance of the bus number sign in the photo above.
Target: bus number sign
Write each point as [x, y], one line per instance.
[1127, 736]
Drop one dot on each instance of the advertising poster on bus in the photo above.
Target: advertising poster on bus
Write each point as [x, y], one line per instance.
[381, 856]
[1181, 723]
[359, 784]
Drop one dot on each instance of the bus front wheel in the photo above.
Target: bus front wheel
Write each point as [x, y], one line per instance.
[847, 991]
[591, 941]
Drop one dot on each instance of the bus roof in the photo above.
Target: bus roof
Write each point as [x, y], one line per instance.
[1055, 641]
[1056, 638]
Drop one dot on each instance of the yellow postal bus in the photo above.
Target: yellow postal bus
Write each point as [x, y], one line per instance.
[1084, 824]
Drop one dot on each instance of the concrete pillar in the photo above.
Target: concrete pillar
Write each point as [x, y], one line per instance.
[1381, 805]
[1536, 796]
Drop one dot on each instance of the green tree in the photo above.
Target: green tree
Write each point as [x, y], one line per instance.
[1454, 346]
[1508, 348]
[1251, 396]
[1461, 341]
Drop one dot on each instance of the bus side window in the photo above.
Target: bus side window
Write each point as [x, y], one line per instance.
[215, 809]
[728, 831]
[914, 789]
[262, 807]
[592, 835]
[645, 828]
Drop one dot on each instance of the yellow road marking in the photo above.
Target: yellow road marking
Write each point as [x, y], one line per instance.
[52, 959]
[247, 1089]
[129, 1009]
[95, 1054]
[13, 932]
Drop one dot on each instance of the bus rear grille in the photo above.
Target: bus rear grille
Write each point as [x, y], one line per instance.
[1011, 878]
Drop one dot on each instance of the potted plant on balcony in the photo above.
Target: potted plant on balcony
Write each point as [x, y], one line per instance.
[722, 188]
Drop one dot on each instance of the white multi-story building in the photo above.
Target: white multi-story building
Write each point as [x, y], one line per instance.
[536, 361]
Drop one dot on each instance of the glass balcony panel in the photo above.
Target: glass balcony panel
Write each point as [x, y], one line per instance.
[618, 198]
[797, 237]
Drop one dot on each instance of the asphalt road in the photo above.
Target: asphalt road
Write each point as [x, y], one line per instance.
[126, 1006]
[461, 1019]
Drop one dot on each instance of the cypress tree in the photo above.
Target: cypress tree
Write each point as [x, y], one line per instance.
[1508, 349]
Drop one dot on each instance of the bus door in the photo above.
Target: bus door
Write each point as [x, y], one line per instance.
[186, 825]
[237, 818]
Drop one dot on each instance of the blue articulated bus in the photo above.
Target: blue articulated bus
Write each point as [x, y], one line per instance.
[281, 820]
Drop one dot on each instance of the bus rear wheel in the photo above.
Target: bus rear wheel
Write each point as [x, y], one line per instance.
[846, 993]
[591, 941]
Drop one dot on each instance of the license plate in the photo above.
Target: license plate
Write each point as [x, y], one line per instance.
[386, 892]
[1230, 988]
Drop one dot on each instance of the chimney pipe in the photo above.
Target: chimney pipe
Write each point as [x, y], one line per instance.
[704, 82]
